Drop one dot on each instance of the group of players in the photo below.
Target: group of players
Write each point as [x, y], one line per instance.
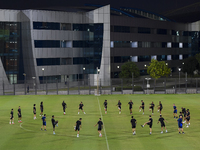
[100, 123]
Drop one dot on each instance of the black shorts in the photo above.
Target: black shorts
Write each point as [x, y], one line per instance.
[188, 118]
[142, 107]
[99, 129]
[133, 126]
[19, 116]
[34, 113]
[105, 107]
[11, 117]
[41, 110]
[119, 107]
[184, 114]
[161, 108]
[81, 108]
[130, 108]
[150, 125]
[64, 108]
[77, 128]
[162, 124]
[152, 108]
[53, 125]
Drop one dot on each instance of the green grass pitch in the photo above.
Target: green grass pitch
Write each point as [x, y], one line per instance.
[117, 127]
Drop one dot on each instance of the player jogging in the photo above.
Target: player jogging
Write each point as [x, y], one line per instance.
[184, 113]
[161, 120]
[188, 118]
[19, 114]
[81, 107]
[100, 126]
[44, 122]
[152, 107]
[133, 123]
[160, 107]
[34, 111]
[142, 107]
[11, 117]
[119, 104]
[64, 105]
[175, 111]
[180, 125]
[130, 106]
[105, 106]
[54, 123]
[41, 109]
[78, 126]
[150, 123]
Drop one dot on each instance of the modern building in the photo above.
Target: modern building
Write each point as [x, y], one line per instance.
[50, 45]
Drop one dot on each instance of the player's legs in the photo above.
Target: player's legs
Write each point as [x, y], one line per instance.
[165, 129]
[42, 127]
[150, 130]
[83, 111]
[158, 109]
[119, 110]
[105, 110]
[99, 131]
[45, 127]
[133, 130]
[54, 130]
[130, 110]
[149, 108]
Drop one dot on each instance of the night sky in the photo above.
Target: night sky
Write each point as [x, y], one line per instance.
[158, 6]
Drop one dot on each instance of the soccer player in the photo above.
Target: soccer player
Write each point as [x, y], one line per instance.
[100, 126]
[130, 106]
[184, 113]
[160, 107]
[180, 125]
[19, 114]
[119, 104]
[188, 118]
[34, 111]
[41, 109]
[44, 122]
[11, 117]
[105, 106]
[175, 111]
[81, 107]
[150, 123]
[133, 123]
[142, 107]
[78, 126]
[152, 107]
[54, 123]
[161, 120]
[64, 105]
[180, 114]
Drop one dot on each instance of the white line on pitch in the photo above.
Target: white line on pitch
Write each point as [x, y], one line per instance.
[23, 127]
[104, 128]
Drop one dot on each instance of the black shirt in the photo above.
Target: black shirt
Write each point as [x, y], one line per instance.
[161, 120]
[133, 121]
[188, 114]
[11, 113]
[152, 105]
[64, 104]
[105, 104]
[41, 106]
[130, 104]
[183, 111]
[19, 110]
[142, 104]
[119, 104]
[81, 105]
[160, 105]
[53, 121]
[34, 108]
[100, 123]
[78, 123]
[151, 120]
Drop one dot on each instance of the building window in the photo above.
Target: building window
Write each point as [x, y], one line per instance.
[111, 44]
[154, 57]
[162, 31]
[46, 26]
[144, 30]
[134, 44]
[175, 57]
[180, 45]
[66, 61]
[124, 29]
[175, 45]
[169, 57]
[144, 58]
[134, 58]
[169, 44]
[46, 43]
[66, 43]
[161, 57]
[48, 61]
[66, 26]
[180, 57]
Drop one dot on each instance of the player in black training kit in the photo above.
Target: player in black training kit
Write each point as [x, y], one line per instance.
[64, 105]
[188, 118]
[41, 108]
[81, 107]
[160, 107]
[150, 123]
[11, 117]
[34, 111]
[184, 113]
[141, 107]
[151, 107]
[78, 126]
[105, 106]
[161, 120]
[130, 106]
[100, 126]
[119, 104]
[54, 123]
[19, 115]
[133, 123]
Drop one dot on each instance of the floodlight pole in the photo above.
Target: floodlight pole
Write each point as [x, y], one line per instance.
[147, 83]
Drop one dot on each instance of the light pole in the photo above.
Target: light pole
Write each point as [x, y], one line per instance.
[43, 78]
[84, 76]
[148, 85]
[98, 70]
[179, 69]
[34, 84]
[24, 83]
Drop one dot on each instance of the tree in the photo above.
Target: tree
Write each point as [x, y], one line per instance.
[197, 56]
[128, 68]
[158, 69]
[190, 65]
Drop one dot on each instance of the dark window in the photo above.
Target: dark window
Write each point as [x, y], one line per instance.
[186, 45]
[117, 59]
[118, 44]
[161, 31]
[175, 57]
[46, 43]
[175, 45]
[173, 32]
[161, 57]
[83, 27]
[46, 25]
[125, 58]
[144, 30]
[50, 79]
[66, 61]
[124, 29]
[164, 44]
[48, 61]
[66, 26]
[185, 56]
[144, 58]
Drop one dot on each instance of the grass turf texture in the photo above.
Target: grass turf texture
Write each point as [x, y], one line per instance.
[118, 127]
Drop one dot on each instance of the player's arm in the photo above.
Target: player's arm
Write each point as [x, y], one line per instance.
[158, 122]
[81, 126]
[95, 125]
[148, 122]
[166, 121]
[75, 124]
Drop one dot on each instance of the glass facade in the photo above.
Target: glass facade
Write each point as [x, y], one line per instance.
[47, 43]
[10, 50]
[46, 25]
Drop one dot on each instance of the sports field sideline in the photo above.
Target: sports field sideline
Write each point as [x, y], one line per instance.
[28, 136]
